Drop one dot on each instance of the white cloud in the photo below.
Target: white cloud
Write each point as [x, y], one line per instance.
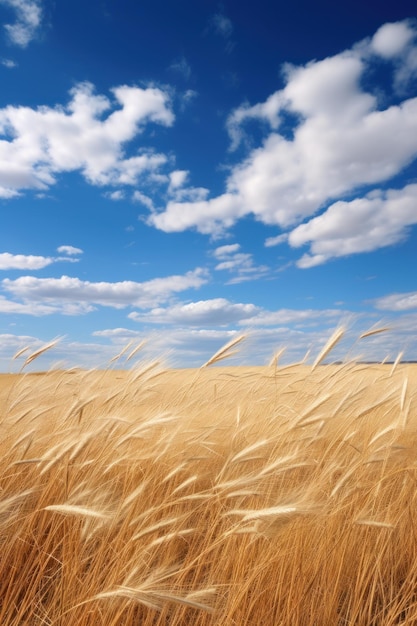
[276, 241]
[38, 144]
[28, 21]
[397, 42]
[300, 317]
[143, 199]
[326, 138]
[391, 39]
[178, 193]
[187, 97]
[215, 312]
[397, 302]
[210, 217]
[72, 295]
[177, 179]
[223, 252]
[238, 263]
[9, 63]
[70, 250]
[10, 261]
[220, 312]
[23, 262]
[190, 347]
[27, 308]
[406, 72]
[117, 334]
[116, 196]
[380, 219]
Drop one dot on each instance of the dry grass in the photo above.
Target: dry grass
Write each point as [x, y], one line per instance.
[220, 496]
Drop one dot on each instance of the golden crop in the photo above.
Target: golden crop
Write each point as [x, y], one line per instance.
[227, 496]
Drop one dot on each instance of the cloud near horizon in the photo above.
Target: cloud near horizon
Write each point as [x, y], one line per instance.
[72, 296]
[397, 302]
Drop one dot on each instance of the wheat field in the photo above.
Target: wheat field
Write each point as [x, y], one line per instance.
[230, 496]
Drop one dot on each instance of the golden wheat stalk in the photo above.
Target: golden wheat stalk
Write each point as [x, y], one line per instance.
[121, 353]
[374, 331]
[225, 352]
[334, 339]
[40, 351]
[71, 509]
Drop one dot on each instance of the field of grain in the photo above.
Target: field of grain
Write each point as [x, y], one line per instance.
[228, 496]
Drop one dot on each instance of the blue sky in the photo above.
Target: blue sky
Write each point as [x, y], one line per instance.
[184, 172]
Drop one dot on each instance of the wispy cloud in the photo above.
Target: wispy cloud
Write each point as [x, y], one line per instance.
[117, 195]
[9, 63]
[28, 14]
[181, 67]
[138, 196]
[222, 26]
[70, 250]
[240, 264]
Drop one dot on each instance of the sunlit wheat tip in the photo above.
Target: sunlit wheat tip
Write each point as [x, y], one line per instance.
[70, 509]
[368, 522]
[334, 339]
[225, 352]
[375, 331]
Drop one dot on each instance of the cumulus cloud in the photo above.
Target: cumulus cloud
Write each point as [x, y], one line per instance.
[222, 24]
[74, 295]
[391, 39]
[326, 137]
[88, 135]
[10, 261]
[177, 179]
[397, 42]
[210, 217]
[28, 15]
[380, 219]
[23, 262]
[215, 312]
[397, 302]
